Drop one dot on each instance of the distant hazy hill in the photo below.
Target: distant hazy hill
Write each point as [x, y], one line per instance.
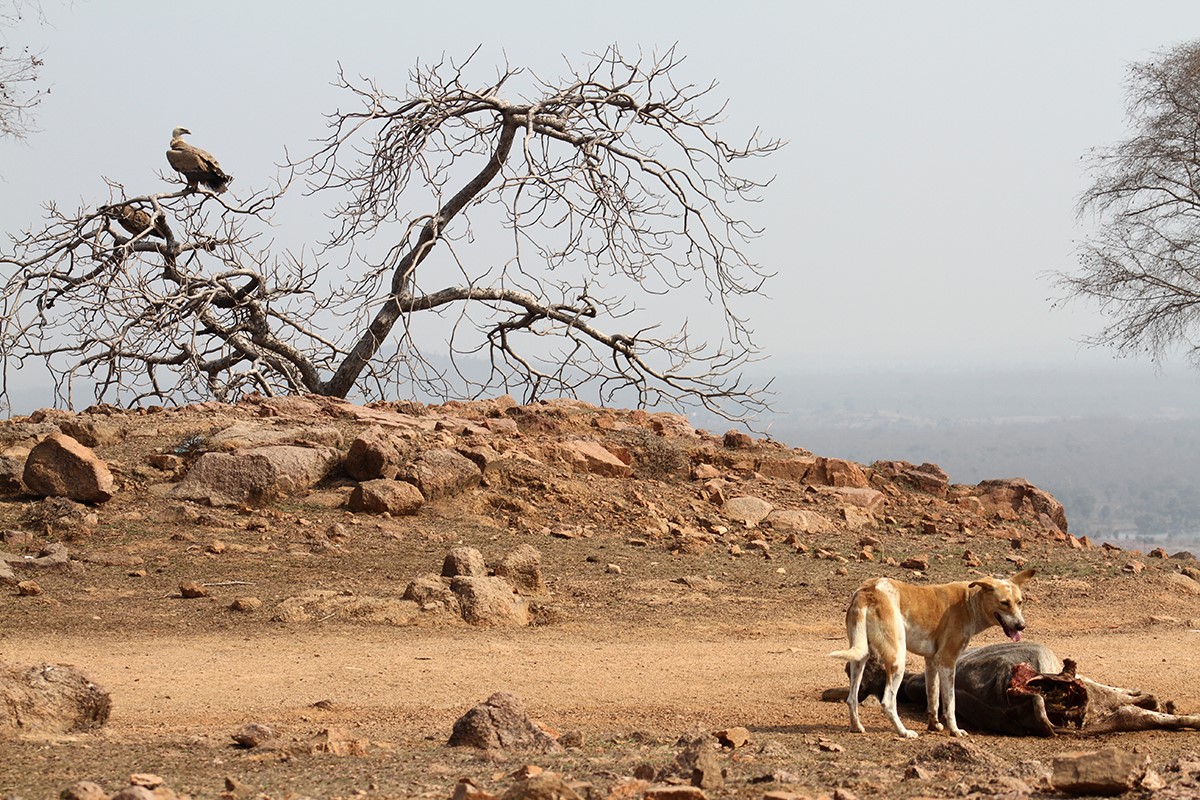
[1120, 448]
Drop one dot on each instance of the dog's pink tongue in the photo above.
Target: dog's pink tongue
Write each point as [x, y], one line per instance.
[1015, 636]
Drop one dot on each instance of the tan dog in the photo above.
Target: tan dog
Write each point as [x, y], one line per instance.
[887, 617]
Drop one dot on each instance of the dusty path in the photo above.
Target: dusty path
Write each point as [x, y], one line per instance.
[398, 678]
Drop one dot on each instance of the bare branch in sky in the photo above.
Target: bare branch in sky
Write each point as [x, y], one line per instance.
[545, 228]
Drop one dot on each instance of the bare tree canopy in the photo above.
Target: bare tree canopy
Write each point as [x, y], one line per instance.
[19, 68]
[1142, 265]
[543, 237]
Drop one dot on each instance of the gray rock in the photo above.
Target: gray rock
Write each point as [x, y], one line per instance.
[1108, 771]
[397, 498]
[490, 602]
[442, 473]
[501, 723]
[255, 476]
[49, 698]
[83, 790]
[374, 454]
[522, 567]
[464, 561]
[747, 510]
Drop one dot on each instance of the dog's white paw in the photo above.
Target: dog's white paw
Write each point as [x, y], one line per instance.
[857, 728]
[907, 734]
[957, 732]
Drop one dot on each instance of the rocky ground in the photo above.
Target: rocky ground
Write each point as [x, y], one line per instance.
[301, 598]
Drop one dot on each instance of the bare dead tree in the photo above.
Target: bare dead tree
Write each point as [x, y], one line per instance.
[19, 69]
[1142, 264]
[524, 230]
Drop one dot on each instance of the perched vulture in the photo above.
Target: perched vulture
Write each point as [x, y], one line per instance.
[135, 220]
[195, 164]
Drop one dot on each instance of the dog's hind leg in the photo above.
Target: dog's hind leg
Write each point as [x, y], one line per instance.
[893, 666]
[856, 674]
[856, 655]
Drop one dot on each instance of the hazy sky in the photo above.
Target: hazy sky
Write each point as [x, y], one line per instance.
[934, 158]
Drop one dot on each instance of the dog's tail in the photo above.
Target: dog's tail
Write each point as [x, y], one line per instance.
[856, 632]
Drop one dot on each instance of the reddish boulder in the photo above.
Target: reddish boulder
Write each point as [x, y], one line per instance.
[59, 466]
[442, 473]
[394, 497]
[836, 472]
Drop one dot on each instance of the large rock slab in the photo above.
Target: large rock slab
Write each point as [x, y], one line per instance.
[794, 520]
[584, 455]
[1011, 498]
[1105, 772]
[255, 476]
[374, 454]
[522, 567]
[501, 723]
[59, 466]
[49, 698]
[378, 496]
[490, 602]
[442, 473]
[747, 510]
[836, 472]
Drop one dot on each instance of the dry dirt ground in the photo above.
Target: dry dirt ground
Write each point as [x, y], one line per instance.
[625, 654]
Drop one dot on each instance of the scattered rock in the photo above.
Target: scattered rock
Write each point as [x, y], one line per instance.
[59, 466]
[441, 473]
[836, 472]
[253, 734]
[501, 723]
[245, 605]
[28, 589]
[733, 738]
[489, 602]
[465, 561]
[749, 511]
[338, 741]
[374, 454]
[541, 786]
[193, 589]
[397, 498]
[790, 520]
[83, 790]
[1108, 771]
[522, 567]
[584, 455]
[49, 698]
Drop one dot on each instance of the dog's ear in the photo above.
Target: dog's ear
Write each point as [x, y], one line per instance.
[1023, 576]
[982, 585]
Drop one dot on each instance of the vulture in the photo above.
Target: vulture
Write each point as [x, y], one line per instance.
[135, 220]
[195, 164]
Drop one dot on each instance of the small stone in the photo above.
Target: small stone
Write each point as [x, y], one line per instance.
[919, 563]
[84, 790]
[613, 569]
[829, 746]
[733, 738]
[245, 605]
[193, 589]
[29, 589]
[147, 779]
[253, 734]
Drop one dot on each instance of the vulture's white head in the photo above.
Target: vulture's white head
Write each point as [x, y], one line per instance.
[175, 134]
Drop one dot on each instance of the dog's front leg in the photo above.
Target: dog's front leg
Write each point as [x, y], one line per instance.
[946, 677]
[932, 686]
